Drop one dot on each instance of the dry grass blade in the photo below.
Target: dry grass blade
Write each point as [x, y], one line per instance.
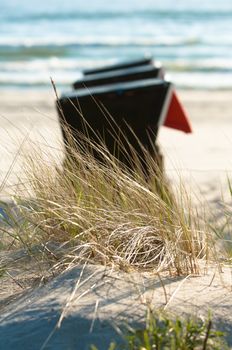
[112, 215]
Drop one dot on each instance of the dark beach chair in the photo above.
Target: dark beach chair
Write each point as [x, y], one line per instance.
[122, 75]
[121, 115]
[118, 66]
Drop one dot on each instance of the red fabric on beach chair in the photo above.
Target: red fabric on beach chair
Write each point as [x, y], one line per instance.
[174, 115]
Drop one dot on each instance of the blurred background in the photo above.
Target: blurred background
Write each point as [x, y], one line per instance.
[59, 38]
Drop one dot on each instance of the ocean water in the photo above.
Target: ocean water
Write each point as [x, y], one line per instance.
[59, 38]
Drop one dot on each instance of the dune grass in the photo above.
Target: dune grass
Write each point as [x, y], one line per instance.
[105, 213]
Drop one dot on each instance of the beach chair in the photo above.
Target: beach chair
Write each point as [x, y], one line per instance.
[124, 116]
[119, 66]
[120, 75]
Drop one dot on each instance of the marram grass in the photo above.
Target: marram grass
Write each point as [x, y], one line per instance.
[104, 213]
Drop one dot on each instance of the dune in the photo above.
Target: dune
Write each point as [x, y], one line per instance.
[89, 305]
[85, 306]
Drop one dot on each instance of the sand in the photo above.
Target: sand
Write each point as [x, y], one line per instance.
[29, 124]
[29, 317]
[203, 159]
[80, 308]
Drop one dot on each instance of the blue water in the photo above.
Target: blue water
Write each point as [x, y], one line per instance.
[59, 38]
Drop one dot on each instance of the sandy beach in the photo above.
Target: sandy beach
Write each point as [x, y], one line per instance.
[90, 310]
[28, 122]
[201, 159]
[92, 251]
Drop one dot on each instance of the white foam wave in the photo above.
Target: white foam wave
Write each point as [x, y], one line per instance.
[181, 79]
[200, 64]
[202, 81]
[38, 78]
[98, 40]
[53, 63]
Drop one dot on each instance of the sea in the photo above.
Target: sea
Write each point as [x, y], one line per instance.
[57, 39]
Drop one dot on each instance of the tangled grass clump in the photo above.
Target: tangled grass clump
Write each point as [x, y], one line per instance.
[108, 214]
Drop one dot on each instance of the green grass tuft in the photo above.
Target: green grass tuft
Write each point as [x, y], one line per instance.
[162, 332]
